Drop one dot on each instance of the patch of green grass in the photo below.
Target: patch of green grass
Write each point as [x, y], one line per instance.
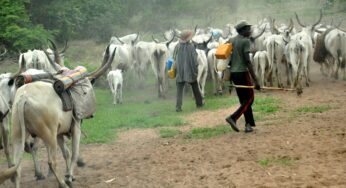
[266, 105]
[142, 108]
[282, 161]
[264, 162]
[204, 133]
[168, 133]
[313, 109]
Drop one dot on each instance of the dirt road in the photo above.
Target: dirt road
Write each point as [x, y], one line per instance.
[288, 149]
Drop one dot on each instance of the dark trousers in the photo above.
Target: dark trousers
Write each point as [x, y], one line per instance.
[245, 96]
[196, 92]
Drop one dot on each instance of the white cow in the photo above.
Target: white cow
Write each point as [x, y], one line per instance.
[37, 110]
[127, 39]
[115, 81]
[335, 44]
[275, 46]
[216, 70]
[306, 35]
[297, 57]
[143, 51]
[159, 58]
[202, 70]
[262, 67]
[125, 54]
[49, 60]
[7, 91]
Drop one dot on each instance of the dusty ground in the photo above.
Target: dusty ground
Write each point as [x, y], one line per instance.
[313, 143]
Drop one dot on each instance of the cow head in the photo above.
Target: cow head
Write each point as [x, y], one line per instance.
[7, 86]
[167, 42]
[55, 54]
[310, 29]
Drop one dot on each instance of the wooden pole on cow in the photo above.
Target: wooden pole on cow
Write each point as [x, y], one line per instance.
[298, 90]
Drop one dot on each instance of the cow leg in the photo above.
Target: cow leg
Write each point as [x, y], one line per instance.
[115, 93]
[52, 145]
[18, 149]
[76, 132]
[5, 140]
[203, 80]
[260, 73]
[1, 137]
[211, 69]
[65, 152]
[337, 66]
[343, 64]
[306, 74]
[121, 93]
[161, 87]
[287, 74]
[33, 150]
[278, 76]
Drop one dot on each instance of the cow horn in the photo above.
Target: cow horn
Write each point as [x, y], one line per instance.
[97, 73]
[56, 53]
[300, 23]
[154, 39]
[290, 27]
[195, 29]
[319, 20]
[65, 48]
[21, 67]
[168, 42]
[136, 37]
[119, 39]
[54, 65]
[211, 37]
[274, 30]
[255, 37]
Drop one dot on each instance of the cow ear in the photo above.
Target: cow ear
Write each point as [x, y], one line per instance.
[11, 82]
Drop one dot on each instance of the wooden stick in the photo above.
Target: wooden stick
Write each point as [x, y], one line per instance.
[266, 88]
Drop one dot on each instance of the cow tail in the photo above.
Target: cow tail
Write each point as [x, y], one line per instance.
[10, 172]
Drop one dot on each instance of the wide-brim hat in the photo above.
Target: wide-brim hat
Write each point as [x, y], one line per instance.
[241, 24]
[185, 36]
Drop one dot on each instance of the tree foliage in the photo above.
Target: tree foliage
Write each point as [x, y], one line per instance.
[26, 24]
[16, 29]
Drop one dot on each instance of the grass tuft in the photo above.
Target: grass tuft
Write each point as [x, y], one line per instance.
[169, 133]
[313, 109]
[282, 161]
[204, 133]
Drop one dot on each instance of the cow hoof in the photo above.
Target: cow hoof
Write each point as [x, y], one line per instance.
[40, 177]
[1, 147]
[68, 180]
[80, 163]
[65, 186]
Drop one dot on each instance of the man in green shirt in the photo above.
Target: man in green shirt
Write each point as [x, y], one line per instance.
[241, 74]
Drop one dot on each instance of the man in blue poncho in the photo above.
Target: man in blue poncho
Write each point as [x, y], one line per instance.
[186, 69]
